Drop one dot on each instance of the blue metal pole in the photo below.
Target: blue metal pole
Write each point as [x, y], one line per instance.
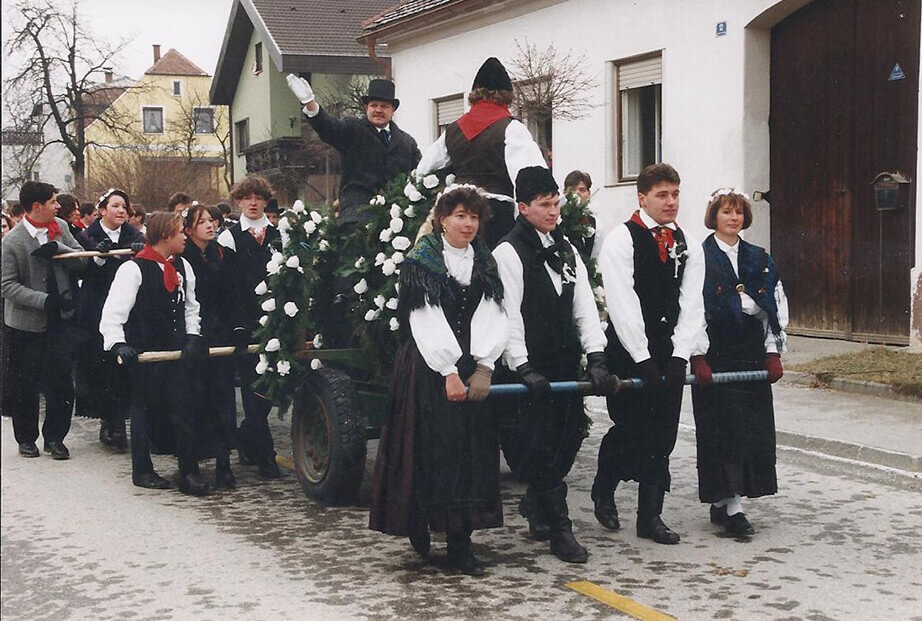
[631, 383]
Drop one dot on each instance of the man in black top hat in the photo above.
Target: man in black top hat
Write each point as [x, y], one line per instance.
[373, 149]
[487, 147]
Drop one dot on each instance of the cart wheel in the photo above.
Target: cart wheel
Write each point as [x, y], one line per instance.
[328, 438]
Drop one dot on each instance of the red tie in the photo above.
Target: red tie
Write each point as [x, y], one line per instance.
[661, 234]
[259, 234]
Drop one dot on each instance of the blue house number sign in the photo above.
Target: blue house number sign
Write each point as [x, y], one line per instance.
[721, 29]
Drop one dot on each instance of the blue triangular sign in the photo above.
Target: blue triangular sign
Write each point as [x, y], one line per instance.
[896, 73]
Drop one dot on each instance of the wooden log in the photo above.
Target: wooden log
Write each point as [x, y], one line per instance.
[86, 254]
[213, 352]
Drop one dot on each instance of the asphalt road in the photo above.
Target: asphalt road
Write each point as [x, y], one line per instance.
[80, 542]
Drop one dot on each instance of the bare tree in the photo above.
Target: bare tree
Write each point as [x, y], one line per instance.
[550, 84]
[22, 141]
[60, 60]
[192, 123]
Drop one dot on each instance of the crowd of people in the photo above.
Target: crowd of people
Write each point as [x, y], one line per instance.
[496, 292]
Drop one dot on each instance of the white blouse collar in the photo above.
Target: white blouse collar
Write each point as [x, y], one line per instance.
[727, 248]
[246, 223]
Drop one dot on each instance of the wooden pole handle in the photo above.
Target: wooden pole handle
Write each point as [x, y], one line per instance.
[86, 254]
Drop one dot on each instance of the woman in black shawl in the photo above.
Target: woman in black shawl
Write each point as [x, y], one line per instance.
[746, 312]
[438, 460]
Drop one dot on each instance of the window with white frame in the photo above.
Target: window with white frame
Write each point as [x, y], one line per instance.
[153, 119]
[177, 87]
[640, 114]
[242, 134]
[204, 120]
[447, 110]
[258, 58]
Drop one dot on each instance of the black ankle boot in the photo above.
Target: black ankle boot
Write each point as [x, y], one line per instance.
[563, 544]
[649, 507]
[224, 477]
[421, 542]
[606, 512]
[531, 510]
[118, 435]
[460, 556]
[193, 484]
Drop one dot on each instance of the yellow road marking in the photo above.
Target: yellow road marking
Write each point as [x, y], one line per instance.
[619, 602]
[285, 462]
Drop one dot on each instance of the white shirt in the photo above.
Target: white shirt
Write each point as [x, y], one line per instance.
[585, 311]
[433, 336]
[751, 308]
[616, 261]
[39, 233]
[112, 235]
[124, 293]
[226, 238]
[521, 151]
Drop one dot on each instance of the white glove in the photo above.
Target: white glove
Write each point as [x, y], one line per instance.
[301, 88]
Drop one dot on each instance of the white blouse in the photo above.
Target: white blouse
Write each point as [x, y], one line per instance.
[751, 308]
[433, 336]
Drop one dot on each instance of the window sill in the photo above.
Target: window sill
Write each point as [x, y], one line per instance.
[622, 184]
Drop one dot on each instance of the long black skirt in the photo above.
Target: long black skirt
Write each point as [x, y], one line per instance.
[438, 461]
[735, 424]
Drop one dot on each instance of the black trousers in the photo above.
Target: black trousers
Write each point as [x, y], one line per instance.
[99, 382]
[159, 394]
[39, 363]
[254, 438]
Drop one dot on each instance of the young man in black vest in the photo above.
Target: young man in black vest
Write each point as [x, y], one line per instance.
[553, 320]
[487, 147]
[653, 274]
[97, 378]
[247, 248]
[152, 307]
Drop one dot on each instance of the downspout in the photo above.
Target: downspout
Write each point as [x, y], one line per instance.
[372, 54]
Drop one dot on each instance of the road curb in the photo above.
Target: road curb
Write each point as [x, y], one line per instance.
[860, 387]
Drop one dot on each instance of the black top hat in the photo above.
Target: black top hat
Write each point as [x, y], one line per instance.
[272, 206]
[534, 181]
[381, 90]
[492, 76]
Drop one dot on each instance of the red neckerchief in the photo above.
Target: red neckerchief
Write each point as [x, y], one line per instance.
[80, 224]
[481, 115]
[170, 277]
[661, 234]
[54, 231]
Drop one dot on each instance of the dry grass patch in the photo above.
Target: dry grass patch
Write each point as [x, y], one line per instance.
[899, 369]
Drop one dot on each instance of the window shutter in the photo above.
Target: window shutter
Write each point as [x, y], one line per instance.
[449, 110]
[640, 73]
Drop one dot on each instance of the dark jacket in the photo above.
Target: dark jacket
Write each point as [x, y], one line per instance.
[367, 164]
[98, 278]
[213, 291]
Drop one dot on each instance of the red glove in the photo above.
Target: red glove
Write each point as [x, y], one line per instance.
[701, 370]
[773, 366]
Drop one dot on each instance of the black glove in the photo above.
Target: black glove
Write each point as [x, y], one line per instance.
[127, 353]
[46, 250]
[597, 370]
[537, 384]
[57, 303]
[105, 245]
[241, 340]
[195, 348]
[653, 385]
[137, 246]
[675, 373]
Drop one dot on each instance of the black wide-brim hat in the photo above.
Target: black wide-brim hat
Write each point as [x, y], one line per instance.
[492, 76]
[381, 90]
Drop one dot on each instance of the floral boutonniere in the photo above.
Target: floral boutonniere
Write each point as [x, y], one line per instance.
[679, 254]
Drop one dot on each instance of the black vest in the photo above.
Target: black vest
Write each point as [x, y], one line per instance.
[481, 161]
[657, 288]
[459, 304]
[158, 320]
[551, 336]
[211, 291]
[250, 267]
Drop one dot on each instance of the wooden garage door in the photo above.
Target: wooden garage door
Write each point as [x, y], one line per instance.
[837, 119]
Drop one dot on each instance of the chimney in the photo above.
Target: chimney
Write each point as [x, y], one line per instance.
[156, 52]
[108, 72]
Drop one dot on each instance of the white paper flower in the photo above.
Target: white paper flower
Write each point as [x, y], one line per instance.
[310, 227]
[412, 193]
[316, 364]
[392, 304]
[298, 206]
[316, 217]
[277, 257]
[361, 286]
[262, 366]
[372, 314]
[450, 179]
[379, 301]
[323, 246]
[430, 181]
[273, 268]
[290, 308]
[378, 200]
[388, 267]
[395, 210]
[380, 258]
[268, 305]
[396, 225]
[590, 231]
[410, 212]
[397, 287]
[283, 367]
[385, 235]
[401, 243]
[262, 288]
[273, 345]
[394, 324]
[360, 263]
[264, 320]
[286, 238]
[293, 261]
[284, 224]
[318, 341]
[398, 258]
[599, 293]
